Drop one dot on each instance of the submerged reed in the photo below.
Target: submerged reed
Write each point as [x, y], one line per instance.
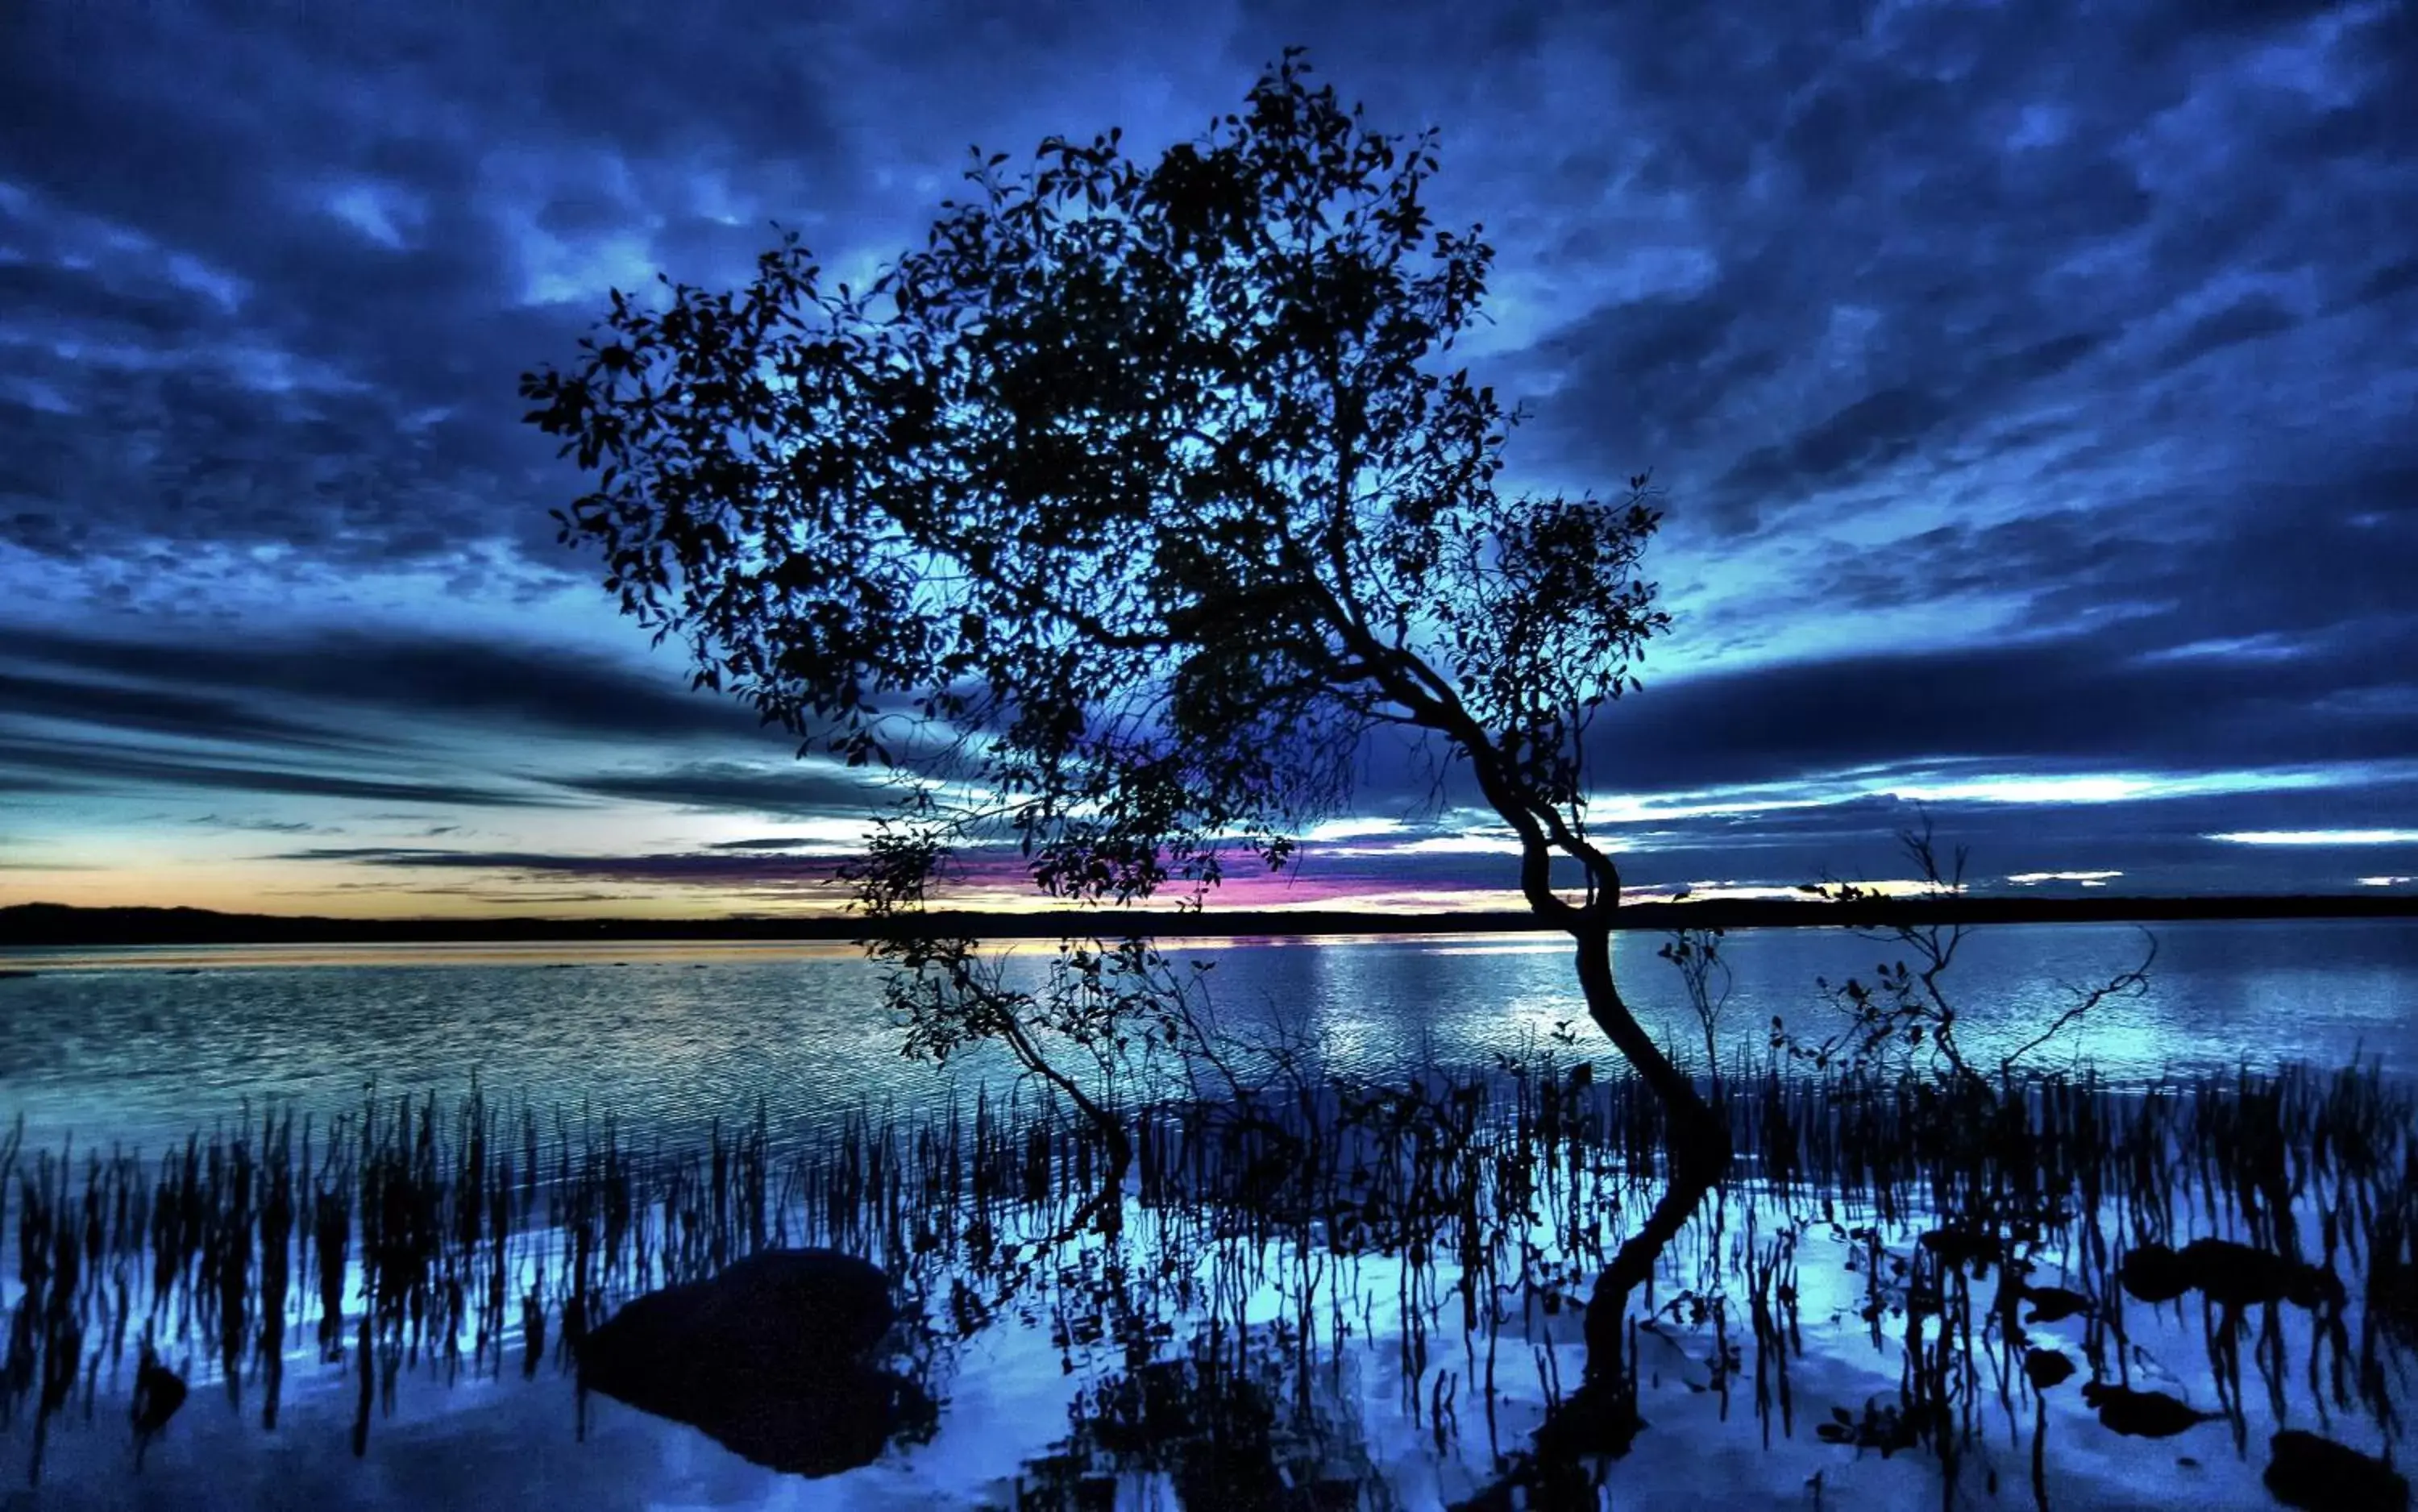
[433, 1237]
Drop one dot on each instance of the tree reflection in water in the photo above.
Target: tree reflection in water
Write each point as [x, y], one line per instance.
[1229, 1423]
[1322, 1285]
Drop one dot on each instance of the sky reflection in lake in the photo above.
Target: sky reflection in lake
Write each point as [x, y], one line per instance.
[146, 1044]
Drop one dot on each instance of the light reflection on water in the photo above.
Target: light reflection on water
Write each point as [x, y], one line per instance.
[465, 1441]
[145, 1044]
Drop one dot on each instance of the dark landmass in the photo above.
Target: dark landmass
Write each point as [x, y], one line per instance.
[57, 925]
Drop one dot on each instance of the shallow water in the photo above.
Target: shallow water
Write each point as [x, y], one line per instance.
[1370, 1372]
[1010, 1395]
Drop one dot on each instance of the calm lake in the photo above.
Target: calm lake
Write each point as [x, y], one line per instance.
[141, 1045]
[1785, 1339]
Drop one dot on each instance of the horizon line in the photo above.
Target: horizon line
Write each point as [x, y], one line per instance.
[40, 925]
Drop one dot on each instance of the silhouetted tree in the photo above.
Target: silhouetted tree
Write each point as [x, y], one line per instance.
[1114, 522]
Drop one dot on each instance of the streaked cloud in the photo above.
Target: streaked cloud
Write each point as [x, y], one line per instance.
[96, 769]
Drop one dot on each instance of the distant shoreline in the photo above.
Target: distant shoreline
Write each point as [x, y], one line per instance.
[40, 925]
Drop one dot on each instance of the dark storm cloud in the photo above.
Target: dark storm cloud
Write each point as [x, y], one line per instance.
[803, 793]
[158, 711]
[216, 821]
[2245, 320]
[762, 843]
[2386, 281]
[409, 677]
[99, 770]
[2173, 691]
[1913, 228]
[18, 781]
[54, 299]
[714, 871]
[1873, 432]
[2066, 706]
[2329, 559]
[389, 699]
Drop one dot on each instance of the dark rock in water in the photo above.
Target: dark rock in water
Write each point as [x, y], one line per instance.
[1961, 1247]
[2230, 1274]
[2142, 1415]
[2054, 1304]
[2306, 1471]
[158, 1393]
[2155, 1274]
[2044, 1368]
[846, 1419]
[781, 1313]
[2242, 1275]
[764, 1357]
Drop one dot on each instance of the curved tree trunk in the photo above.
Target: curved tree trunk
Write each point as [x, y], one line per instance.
[1601, 1415]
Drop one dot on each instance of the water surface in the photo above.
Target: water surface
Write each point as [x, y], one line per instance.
[144, 1045]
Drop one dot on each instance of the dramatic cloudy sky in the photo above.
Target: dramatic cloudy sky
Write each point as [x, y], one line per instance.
[2033, 386]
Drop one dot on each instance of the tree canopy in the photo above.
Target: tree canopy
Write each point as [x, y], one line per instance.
[1116, 518]
[1113, 522]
